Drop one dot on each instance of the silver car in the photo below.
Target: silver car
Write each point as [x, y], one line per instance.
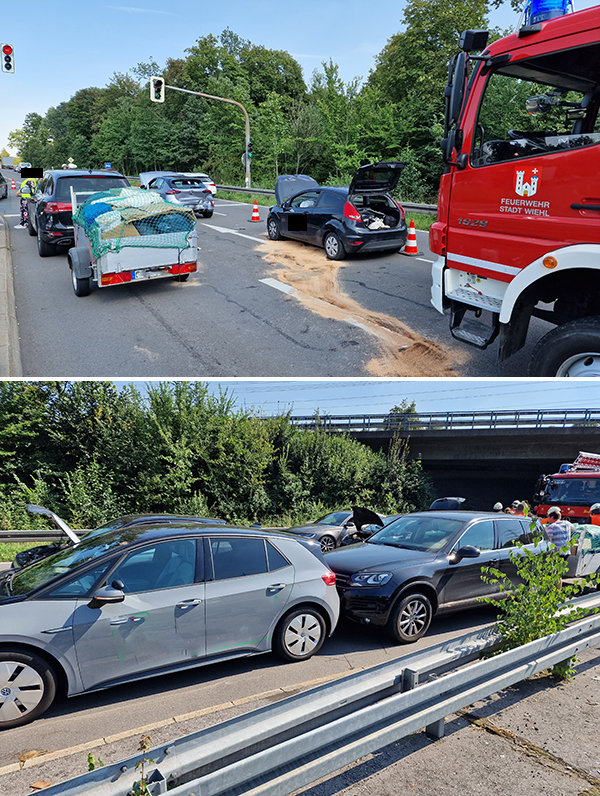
[146, 600]
[180, 189]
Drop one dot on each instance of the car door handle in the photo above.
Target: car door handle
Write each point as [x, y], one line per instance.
[276, 587]
[189, 603]
[124, 619]
[582, 206]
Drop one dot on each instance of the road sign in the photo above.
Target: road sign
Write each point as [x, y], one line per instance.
[108, 165]
[8, 58]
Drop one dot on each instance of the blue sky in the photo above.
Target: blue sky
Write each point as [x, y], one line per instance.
[84, 43]
[369, 396]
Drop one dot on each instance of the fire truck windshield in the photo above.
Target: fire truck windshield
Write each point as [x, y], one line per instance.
[572, 491]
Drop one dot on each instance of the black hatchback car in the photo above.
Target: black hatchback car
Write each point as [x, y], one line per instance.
[361, 217]
[426, 563]
[50, 206]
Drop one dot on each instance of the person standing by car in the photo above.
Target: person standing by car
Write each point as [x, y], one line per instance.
[558, 530]
[26, 189]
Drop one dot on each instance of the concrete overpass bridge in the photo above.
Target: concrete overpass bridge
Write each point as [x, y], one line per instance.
[483, 456]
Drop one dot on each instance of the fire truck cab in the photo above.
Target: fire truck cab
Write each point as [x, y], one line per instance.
[574, 489]
[518, 227]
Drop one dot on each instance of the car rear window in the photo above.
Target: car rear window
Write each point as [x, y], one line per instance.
[92, 184]
[188, 182]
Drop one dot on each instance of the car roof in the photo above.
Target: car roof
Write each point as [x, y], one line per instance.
[465, 516]
[191, 528]
[84, 173]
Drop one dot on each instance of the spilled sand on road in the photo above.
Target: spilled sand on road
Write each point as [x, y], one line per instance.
[315, 280]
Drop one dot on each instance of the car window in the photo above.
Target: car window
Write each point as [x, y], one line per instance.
[329, 200]
[513, 530]
[418, 532]
[335, 518]
[86, 184]
[163, 565]
[305, 200]
[276, 559]
[234, 557]
[187, 182]
[81, 585]
[480, 535]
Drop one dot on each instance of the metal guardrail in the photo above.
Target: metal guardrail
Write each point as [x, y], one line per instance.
[277, 749]
[454, 421]
[410, 206]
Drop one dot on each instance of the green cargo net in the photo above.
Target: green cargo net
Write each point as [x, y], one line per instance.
[123, 217]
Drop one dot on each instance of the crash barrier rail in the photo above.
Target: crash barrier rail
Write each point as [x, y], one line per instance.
[453, 421]
[277, 749]
[410, 206]
[53, 535]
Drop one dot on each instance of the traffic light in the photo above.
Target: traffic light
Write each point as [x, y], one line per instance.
[8, 58]
[157, 89]
[249, 149]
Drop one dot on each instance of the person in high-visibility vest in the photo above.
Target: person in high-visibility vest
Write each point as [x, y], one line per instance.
[27, 188]
[595, 514]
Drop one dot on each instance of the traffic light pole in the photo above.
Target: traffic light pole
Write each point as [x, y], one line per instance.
[231, 102]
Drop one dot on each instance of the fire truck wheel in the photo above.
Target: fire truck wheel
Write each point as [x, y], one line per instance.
[572, 349]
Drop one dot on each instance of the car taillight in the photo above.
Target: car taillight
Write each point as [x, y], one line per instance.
[329, 578]
[351, 212]
[57, 207]
[166, 192]
[402, 211]
[183, 268]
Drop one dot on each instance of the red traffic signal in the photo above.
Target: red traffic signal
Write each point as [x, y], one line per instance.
[8, 58]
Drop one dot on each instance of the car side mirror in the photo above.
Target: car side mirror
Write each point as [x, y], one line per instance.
[107, 595]
[467, 551]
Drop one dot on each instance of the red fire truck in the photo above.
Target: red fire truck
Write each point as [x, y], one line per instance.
[518, 228]
[573, 489]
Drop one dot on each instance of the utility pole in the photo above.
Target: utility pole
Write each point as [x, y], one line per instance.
[247, 158]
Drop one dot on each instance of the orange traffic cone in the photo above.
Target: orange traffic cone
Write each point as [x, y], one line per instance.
[13, 187]
[255, 215]
[410, 248]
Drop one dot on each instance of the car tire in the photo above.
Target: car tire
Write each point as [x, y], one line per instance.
[30, 228]
[572, 349]
[410, 619]
[45, 249]
[19, 670]
[208, 215]
[327, 543]
[299, 635]
[273, 230]
[334, 248]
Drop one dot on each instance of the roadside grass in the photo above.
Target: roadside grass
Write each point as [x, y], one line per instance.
[422, 220]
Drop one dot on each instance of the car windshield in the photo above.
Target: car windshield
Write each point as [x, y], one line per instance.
[84, 183]
[573, 491]
[418, 532]
[335, 518]
[42, 572]
[187, 182]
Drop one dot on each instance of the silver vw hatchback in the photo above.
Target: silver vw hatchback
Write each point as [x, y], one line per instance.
[147, 600]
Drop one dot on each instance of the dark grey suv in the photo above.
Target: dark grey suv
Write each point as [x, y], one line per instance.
[50, 207]
[426, 563]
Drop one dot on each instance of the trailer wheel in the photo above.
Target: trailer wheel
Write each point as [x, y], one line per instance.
[181, 277]
[81, 287]
[572, 349]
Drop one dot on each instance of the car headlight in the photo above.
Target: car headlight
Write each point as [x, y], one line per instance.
[371, 578]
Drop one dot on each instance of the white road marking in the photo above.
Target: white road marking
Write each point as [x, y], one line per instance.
[425, 260]
[233, 204]
[281, 286]
[10, 215]
[219, 214]
[233, 232]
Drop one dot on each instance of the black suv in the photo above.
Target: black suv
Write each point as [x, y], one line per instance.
[361, 217]
[50, 207]
[426, 563]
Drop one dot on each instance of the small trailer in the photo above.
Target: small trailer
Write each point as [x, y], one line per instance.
[127, 235]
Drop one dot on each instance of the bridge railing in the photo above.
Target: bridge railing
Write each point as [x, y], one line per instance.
[453, 421]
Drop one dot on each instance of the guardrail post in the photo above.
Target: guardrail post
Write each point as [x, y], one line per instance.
[410, 680]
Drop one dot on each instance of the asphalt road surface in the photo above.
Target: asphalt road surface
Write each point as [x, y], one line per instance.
[255, 308]
[75, 721]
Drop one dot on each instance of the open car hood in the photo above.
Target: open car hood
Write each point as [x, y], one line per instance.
[289, 184]
[61, 524]
[363, 516]
[377, 177]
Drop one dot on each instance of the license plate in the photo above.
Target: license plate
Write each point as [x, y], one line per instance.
[148, 274]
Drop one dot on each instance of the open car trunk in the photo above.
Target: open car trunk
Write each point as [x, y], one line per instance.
[377, 211]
